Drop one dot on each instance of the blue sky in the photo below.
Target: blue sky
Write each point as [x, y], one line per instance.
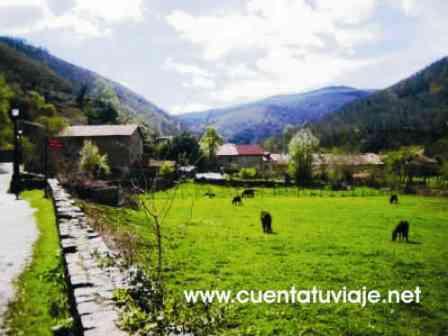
[192, 55]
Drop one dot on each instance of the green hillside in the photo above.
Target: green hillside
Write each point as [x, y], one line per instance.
[37, 91]
[412, 112]
[70, 87]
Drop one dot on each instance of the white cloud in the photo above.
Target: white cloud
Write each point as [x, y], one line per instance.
[188, 69]
[22, 3]
[268, 24]
[281, 72]
[239, 71]
[347, 11]
[199, 78]
[200, 83]
[408, 6]
[191, 107]
[110, 11]
[290, 40]
[87, 18]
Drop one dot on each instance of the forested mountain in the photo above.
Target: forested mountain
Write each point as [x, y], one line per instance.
[68, 87]
[412, 112]
[256, 121]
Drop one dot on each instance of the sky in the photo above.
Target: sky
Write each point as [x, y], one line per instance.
[192, 55]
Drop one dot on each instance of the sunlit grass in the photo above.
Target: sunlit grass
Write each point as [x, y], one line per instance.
[324, 239]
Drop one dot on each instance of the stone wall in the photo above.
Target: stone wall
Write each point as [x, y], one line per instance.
[91, 278]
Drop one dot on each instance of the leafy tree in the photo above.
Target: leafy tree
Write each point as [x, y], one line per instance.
[184, 148]
[439, 149]
[397, 168]
[104, 109]
[5, 124]
[301, 149]
[444, 171]
[53, 125]
[273, 144]
[209, 143]
[101, 112]
[40, 105]
[81, 98]
[92, 162]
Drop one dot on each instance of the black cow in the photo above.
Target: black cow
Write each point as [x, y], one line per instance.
[401, 231]
[237, 200]
[393, 199]
[209, 194]
[248, 193]
[266, 222]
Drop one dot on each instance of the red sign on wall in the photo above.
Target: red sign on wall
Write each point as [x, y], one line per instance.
[55, 144]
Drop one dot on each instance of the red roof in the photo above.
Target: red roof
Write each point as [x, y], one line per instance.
[249, 150]
[240, 150]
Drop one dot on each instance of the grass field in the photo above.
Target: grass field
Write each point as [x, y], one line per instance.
[323, 239]
[41, 299]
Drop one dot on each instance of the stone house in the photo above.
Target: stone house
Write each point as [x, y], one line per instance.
[353, 166]
[123, 144]
[235, 157]
[360, 164]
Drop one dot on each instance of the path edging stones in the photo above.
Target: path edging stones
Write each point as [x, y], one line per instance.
[91, 285]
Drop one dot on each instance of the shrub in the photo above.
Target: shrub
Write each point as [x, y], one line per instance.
[247, 173]
[166, 170]
[92, 162]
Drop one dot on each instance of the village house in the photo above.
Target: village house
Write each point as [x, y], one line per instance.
[278, 163]
[123, 144]
[234, 157]
[360, 165]
[358, 161]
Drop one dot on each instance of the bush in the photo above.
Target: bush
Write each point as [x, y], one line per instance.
[248, 173]
[166, 170]
[92, 162]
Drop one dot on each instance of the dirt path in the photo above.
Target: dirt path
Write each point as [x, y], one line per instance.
[17, 234]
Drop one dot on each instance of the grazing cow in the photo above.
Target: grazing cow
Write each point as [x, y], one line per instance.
[248, 193]
[401, 231]
[209, 194]
[266, 222]
[237, 200]
[393, 199]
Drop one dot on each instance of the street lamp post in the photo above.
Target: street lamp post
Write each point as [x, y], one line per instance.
[15, 182]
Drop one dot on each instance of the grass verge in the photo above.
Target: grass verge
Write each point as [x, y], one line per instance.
[41, 301]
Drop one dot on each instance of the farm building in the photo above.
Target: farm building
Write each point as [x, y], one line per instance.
[123, 144]
[356, 163]
[349, 160]
[278, 163]
[235, 157]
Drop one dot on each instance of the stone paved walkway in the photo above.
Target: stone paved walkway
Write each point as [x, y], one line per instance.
[17, 234]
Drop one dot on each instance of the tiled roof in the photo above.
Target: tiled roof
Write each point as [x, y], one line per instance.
[347, 159]
[99, 130]
[249, 150]
[279, 159]
[240, 150]
[227, 150]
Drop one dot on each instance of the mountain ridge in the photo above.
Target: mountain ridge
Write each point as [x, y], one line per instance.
[255, 121]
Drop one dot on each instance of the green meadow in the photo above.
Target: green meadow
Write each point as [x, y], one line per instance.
[321, 239]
